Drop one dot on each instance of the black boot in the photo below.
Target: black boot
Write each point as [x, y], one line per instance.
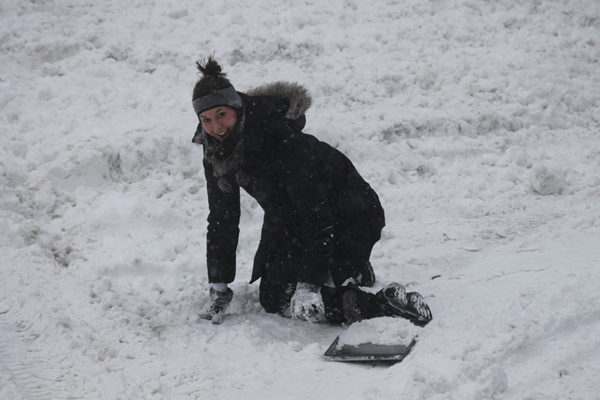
[358, 305]
[395, 302]
[367, 276]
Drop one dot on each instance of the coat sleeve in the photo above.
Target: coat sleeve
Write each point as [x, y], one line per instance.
[223, 229]
[311, 175]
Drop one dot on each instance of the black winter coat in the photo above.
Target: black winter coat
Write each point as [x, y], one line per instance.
[309, 191]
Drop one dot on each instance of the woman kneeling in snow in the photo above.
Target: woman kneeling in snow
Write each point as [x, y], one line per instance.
[321, 219]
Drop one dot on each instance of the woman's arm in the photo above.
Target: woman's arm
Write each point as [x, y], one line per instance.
[223, 229]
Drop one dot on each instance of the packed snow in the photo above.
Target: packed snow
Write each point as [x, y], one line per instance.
[477, 122]
[385, 330]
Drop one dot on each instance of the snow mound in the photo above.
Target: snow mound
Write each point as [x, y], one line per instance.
[547, 181]
[384, 330]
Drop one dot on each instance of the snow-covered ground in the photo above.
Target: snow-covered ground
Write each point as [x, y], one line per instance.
[475, 121]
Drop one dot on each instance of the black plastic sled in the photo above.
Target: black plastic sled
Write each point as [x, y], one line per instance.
[368, 352]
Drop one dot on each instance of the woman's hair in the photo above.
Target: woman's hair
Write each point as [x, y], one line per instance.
[210, 67]
[213, 78]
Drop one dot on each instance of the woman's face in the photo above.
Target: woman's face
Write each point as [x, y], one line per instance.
[218, 122]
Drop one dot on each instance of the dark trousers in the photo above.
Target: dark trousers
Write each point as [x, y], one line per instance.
[276, 291]
[355, 241]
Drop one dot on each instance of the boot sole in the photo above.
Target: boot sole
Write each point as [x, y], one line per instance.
[416, 311]
[422, 311]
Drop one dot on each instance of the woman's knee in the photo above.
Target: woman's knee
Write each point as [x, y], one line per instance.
[276, 298]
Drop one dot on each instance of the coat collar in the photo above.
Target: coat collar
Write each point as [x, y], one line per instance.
[253, 135]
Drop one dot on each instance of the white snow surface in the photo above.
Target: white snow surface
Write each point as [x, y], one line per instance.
[475, 121]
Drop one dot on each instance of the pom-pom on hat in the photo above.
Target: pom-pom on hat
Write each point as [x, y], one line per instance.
[214, 89]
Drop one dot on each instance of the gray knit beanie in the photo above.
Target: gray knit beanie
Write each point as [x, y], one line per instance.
[214, 89]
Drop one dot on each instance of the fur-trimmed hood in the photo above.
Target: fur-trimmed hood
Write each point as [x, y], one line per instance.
[295, 95]
[227, 157]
